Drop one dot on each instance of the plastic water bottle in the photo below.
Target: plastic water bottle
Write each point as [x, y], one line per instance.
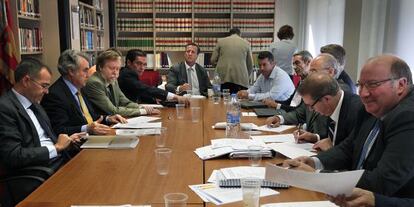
[216, 88]
[233, 118]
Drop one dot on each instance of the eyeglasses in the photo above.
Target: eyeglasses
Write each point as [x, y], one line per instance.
[316, 101]
[372, 84]
[44, 86]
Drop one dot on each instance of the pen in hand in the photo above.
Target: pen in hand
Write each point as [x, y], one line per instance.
[297, 133]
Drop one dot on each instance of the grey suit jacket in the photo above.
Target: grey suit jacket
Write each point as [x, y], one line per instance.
[19, 141]
[96, 92]
[389, 166]
[177, 75]
[233, 59]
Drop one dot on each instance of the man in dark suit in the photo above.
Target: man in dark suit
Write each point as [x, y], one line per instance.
[340, 55]
[70, 112]
[381, 142]
[321, 92]
[134, 89]
[188, 75]
[26, 138]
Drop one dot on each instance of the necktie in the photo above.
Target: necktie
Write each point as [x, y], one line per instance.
[84, 108]
[368, 144]
[190, 76]
[110, 91]
[43, 123]
[331, 129]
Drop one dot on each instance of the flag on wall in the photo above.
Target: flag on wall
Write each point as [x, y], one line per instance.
[8, 51]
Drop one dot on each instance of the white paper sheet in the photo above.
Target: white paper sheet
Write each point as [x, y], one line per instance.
[137, 132]
[248, 114]
[133, 122]
[236, 144]
[289, 151]
[275, 138]
[110, 142]
[278, 129]
[302, 204]
[155, 106]
[244, 126]
[243, 172]
[144, 125]
[213, 193]
[207, 152]
[328, 183]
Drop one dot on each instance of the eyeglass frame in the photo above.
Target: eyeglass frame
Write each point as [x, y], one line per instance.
[44, 87]
[373, 84]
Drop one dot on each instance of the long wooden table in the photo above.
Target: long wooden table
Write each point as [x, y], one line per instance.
[115, 177]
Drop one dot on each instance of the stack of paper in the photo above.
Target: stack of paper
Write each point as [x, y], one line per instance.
[292, 150]
[141, 122]
[237, 147]
[137, 132]
[212, 193]
[278, 129]
[275, 138]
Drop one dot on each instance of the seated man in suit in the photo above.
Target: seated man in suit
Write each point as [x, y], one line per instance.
[325, 97]
[316, 124]
[188, 75]
[103, 91]
[339, 53]
[68, 110]
[26, 137]
[131, 85]
[273, 82]
[301, 64]
[381, 142]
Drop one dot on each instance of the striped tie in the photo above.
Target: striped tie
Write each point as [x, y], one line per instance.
[84, 108]
[368, 144]
[331, 129]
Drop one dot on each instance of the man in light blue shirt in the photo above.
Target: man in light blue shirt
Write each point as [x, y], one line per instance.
[273, 82]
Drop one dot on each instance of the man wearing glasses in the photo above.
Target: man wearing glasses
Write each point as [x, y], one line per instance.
[26, 136]
[316, 124]
[382, 142]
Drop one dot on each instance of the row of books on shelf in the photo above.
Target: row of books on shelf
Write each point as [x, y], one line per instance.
[173, 5]
[28, 8]
[99, 21]
[30, 40]
[134, 6]
[143, 43]
[100, 41]
[98, 4]
[87, 40]
[223, 6]
[86, 17]
[134, 24]
[173, 24]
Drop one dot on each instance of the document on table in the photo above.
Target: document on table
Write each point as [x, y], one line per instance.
[212, 193]
[275, 138]
[155, 106]
[343, 182]
[137, 132]
[244, 126]
[278, 129]
[207, 152]
[248, 114]
[301, 204]
[143, 125]
[236, 144]
[133, 122]
[126, 205]
[110, 142]
[289, 150]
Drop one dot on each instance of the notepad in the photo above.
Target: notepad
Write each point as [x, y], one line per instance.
[110, 142]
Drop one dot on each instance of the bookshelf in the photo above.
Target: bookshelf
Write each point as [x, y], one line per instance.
[34, 22]
[163, 27]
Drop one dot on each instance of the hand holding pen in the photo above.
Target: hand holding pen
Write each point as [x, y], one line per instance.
[302, 135]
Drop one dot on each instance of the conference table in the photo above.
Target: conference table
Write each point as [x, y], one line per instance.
[128, 176]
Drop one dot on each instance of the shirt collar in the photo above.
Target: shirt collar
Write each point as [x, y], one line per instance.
[187, 66]
[273, 74]
[335, 115]
[71, 87]
[22, 99]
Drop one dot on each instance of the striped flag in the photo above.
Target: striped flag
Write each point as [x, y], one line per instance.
[8, 51]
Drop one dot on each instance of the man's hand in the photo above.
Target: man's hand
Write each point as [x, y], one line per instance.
[151, 111]
[273, 121]
[63, 142]
[184, 87]
[182, 99]
[359, 197]
[243, 94]
[323, 144]
[304, 136]
[303, 162]
[97, 128]
[117, 119]
[270, 102]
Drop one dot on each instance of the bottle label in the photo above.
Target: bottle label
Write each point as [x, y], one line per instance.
[233, 119]
[216, 87]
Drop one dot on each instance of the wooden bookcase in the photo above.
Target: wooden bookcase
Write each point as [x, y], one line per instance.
[163, 27]
[36, 30]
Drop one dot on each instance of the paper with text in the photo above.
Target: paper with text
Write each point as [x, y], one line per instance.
[328, 183]
[275, 138]
[289, 151]
[278, 129]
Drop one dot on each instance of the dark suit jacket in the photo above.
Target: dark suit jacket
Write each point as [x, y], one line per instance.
[63, 109]
[19, 141]
[389, 166]
[138, 91]
[177, 75]
[385, 201]
[348, 81]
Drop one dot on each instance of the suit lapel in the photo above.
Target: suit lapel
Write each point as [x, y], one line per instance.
[23, 113]
[73, 102]
[343, 113]
[183, 73]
